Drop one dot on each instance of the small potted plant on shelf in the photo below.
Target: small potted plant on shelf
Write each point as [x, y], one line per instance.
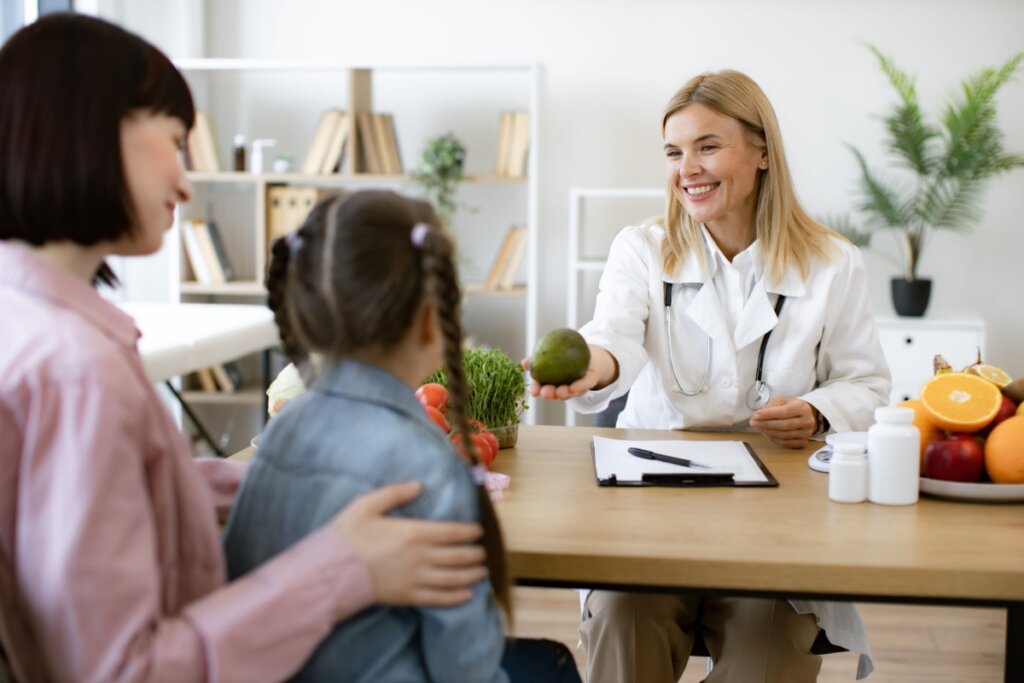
[944, 169]
[440, 172]
[497, 391]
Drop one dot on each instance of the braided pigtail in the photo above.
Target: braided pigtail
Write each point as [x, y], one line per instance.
[277, 298]
[442, 288]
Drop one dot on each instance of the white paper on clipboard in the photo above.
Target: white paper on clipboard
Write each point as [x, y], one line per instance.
[612, 460]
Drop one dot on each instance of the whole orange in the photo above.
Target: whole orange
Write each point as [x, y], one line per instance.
[1004, 451]
[929, 432]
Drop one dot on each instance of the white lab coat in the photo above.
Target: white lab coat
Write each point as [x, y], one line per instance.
[824, 349]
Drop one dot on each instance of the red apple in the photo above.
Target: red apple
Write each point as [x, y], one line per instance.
[957, 458]
[1007, 409]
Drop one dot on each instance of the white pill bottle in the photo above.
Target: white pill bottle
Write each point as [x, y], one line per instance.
[894, 452]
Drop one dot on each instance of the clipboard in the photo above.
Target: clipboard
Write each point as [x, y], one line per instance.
[733, 463]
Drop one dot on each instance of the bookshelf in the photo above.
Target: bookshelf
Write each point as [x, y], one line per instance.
[286, 100]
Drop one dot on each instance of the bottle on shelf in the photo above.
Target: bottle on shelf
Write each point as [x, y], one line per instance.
[239, 156]
[894, 460]
[256, 159]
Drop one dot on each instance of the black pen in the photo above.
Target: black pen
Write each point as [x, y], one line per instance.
[652, 455]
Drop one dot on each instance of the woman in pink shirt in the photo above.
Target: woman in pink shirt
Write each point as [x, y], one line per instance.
[110, 563]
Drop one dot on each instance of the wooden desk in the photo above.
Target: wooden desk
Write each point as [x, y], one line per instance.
[561, 529]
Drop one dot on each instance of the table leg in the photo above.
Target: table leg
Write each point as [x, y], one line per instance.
[1014, 663]
[195, 420]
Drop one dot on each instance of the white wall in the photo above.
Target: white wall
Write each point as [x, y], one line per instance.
[609, 67]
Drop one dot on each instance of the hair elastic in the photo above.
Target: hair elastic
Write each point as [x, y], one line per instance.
[419, 234]
[294, 241]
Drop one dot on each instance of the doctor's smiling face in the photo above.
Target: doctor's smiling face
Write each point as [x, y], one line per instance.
[714, 165]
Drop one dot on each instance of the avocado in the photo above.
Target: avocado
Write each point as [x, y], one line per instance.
[560, 357]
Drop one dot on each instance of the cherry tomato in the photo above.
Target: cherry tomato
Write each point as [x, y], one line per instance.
[480, 445]
[484, 451]
[437, 417]
[493, 441]
[433, 395]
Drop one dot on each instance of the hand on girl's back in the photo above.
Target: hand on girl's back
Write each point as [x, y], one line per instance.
[412, 561]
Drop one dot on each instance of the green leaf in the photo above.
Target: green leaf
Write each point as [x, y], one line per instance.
[497, 386]
[953, 204]
[880, 202]
[910, 137]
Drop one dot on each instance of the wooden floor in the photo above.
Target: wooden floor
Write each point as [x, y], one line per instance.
[911, 644]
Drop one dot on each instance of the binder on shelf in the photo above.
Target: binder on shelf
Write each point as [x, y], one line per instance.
[287, 208]
[334, 156]
[322, 137]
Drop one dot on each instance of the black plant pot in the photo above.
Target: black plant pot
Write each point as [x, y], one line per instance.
[910, 297]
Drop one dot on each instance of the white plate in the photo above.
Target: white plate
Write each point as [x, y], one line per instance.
[821, 458]
[978, 493]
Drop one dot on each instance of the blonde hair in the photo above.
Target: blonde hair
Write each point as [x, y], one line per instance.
[788, 235]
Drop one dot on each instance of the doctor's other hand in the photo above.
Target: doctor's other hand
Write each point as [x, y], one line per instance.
[786, 421]
[412, 561]
[603, 370]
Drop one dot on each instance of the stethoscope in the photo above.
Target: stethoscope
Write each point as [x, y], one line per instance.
[759, 392]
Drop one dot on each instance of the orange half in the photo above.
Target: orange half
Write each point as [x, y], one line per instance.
[960, 402]
[991, 373]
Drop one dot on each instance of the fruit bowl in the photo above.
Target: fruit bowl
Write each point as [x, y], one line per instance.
[973, 492]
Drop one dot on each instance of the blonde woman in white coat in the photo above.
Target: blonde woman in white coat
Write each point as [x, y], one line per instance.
[733, 241]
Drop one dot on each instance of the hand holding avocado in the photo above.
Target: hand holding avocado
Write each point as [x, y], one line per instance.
[563, 366]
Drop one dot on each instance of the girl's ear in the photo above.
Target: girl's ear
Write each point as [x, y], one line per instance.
[428, 331]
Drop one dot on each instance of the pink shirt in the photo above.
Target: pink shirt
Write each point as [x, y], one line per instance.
[110, 563]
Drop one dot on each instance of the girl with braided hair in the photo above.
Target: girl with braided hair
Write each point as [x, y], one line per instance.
[367, 301]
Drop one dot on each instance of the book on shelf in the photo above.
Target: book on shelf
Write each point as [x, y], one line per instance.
[387, 143]
[201, 254]
[368, 146]
[202, 145]
[506, 261]
[322, 135]
[205, 380]
[220, 250]
[224, 382]
[334, 157]
[513, 144]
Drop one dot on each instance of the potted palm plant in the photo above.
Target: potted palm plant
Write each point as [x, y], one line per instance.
[942, 169]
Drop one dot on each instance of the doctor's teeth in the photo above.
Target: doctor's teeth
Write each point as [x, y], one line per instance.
[703, 189]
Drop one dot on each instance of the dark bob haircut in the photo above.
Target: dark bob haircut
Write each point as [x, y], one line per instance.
[66, 83]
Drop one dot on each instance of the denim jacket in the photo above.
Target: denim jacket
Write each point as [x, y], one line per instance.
[357, 429]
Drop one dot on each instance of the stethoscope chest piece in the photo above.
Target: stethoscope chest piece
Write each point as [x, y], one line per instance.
[758, 395]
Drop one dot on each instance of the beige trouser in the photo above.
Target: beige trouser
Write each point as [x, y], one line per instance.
[647, 638]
